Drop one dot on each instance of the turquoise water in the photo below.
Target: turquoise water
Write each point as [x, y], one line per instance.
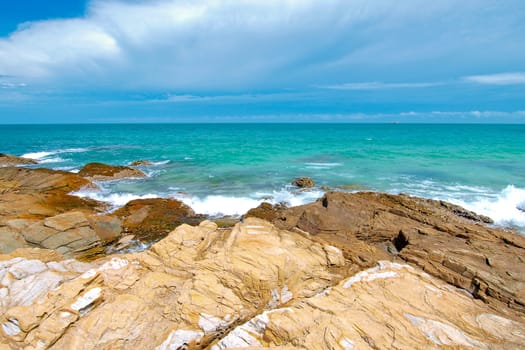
[227, 168]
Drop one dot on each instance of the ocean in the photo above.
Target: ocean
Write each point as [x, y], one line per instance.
[226, 169]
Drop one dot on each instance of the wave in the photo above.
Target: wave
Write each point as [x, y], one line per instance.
[506, 208]
[114, 199]
[160, 162]
[216, 205]
[42, 157]
[320, 166]
[51, 160]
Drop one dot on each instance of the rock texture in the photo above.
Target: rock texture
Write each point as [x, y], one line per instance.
[152, 219]
[252, 286]
[9, 160]
[39, 193]
[36, 210]
[141, 163]
[303, 182]
[445, 240]
[104, 172]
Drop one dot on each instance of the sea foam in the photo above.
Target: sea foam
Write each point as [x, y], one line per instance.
[504, 209]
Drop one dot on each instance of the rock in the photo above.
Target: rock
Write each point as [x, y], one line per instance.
[9, 160]
[191, 287]
[141, 163]
[303, 182]
[265, 211]
[388, 306]
[252, 286]
[39, 193]
[446, 241]
[104, 172]
[152, 219]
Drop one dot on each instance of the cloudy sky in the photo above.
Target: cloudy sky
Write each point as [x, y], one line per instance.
[262, 60]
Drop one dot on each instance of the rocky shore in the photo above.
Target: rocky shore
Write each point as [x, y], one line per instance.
[350, 271]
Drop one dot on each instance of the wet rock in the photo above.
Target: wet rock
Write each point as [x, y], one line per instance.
[152, 219]
[303, 182]
[446, 241]
[141, 163]
[9, 160]
[104, 172]
[264, 211]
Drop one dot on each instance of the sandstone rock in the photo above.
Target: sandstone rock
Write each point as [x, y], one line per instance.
[9, 160]
[253, 286]
[191, 288]
[303, 182]
[152, 219]
[141, 163]
[104, 172]
[39, 193]
[390, 306]
[447, 241]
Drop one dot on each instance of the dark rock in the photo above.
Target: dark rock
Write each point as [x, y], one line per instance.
[152, 219]
[141, 163]
[104, 172]
[303, 182]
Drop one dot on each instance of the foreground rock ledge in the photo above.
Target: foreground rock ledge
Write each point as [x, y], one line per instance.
[252, 286]
[443, 239]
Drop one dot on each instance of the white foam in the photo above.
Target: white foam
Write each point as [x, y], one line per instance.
[37, 155]
[160, 162]
[220, 205]
[216, 205]
[115, 199]
[320, 166]
[503, 209]
[51, 160]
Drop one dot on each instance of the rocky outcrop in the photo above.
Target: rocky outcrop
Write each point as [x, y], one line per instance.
[152, 219]
[9, 160]
[303, 182]
[141, 163]
[69, 233]
[39, 193]
[444, 240]
[36, 210]
[104, 172]
[252, 286]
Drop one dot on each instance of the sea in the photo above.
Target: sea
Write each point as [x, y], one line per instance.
[226, 169]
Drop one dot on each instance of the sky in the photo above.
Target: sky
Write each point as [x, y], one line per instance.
[100, 61]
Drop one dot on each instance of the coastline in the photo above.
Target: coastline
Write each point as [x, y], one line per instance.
[255, 281]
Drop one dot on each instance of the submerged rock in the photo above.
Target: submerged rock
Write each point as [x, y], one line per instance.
[252, 286]
[141, 163]
[9, 160]
[445, 240]
[303, 182]
[104, 172]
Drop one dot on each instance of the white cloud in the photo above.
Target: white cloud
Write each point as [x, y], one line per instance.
[498, 79]
[217, 45]
[380, 86]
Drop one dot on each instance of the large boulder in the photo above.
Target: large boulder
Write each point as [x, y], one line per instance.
[104, 172]
[252, 286]
[152, 219]
[444, 240]
[9, 160]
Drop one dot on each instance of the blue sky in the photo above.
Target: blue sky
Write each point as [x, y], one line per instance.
[262, 60]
